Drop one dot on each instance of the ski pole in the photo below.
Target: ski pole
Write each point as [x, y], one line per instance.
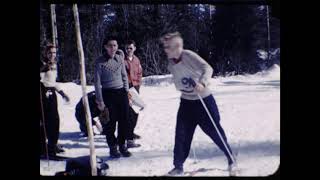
[215, 126]
[44, 126]
[194, 155]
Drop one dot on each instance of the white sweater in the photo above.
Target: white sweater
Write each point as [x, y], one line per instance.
[191, 67]
[49, 78]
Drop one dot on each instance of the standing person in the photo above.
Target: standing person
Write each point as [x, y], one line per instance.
[48, 74]
[134, 71]
[94, 111]
[112, 91]
[191, 76]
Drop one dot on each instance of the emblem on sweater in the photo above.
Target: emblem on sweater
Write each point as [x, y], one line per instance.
[188, 83]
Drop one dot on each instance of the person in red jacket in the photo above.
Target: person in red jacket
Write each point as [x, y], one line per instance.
[134, 71]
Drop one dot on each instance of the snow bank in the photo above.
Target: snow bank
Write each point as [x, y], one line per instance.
[249, 107]
[164, 80]
[161, 80]
[272, 72]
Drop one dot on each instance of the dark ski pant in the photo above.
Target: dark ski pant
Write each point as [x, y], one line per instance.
[190, 114]
[116, 100]
[51, 117]
[133, 118]
[81, 118]
[42, 139]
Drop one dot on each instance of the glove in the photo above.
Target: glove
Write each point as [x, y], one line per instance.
[199, 87]
[104, 116]
[100, 105]
[129, 96]
[65, 97]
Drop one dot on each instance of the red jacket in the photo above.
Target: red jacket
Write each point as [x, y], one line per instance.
[134, 70]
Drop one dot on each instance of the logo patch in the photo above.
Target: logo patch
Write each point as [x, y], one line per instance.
[188, 83]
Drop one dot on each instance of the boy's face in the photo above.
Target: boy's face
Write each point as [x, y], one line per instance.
[111, 47]
[51, 54]
[130, 49]
[171, 48]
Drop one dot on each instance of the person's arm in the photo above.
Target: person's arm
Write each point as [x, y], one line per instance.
[124, 76]
[97, 85]
[64, 96]
[93, 106]
[121, 53]
[169, 67]
[44, 67]
[139, 70]
[199, 63]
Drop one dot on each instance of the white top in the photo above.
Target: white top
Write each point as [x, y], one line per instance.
[49, 78]
[191, 68]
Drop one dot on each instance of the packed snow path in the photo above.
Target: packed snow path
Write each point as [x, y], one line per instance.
[250, 115]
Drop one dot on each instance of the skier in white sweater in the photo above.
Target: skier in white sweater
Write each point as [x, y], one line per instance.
[191, 76]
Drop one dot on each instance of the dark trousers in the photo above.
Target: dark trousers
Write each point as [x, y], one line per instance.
[51, 116]
[190, 114]
[81, 118]
[42, 139]
[116, 100]
[133, 118]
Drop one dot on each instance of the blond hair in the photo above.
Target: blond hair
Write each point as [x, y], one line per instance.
[170, 36]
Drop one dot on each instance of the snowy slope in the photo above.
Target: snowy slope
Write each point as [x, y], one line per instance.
[250, 114]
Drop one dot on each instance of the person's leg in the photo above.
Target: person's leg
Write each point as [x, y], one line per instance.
[130, 123]
[123, 122]
[185, 127]
[110, 128]
[208, 128]
[57, 120]
[80, 117]
[52, 122]
[135, 115]
[123, 114]
[42, 140]
[134, 122]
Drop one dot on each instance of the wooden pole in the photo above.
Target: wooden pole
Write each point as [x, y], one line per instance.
[93, 159]
[55, 33]
[54, 25]
[268, 26]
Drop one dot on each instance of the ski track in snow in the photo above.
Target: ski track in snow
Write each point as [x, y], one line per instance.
[249, 106]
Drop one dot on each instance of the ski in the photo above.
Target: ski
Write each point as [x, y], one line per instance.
[55, 158]
[192, 173]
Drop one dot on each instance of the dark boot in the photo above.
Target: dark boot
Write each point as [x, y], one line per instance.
[52, 150]
[52, 155]
[132, 144]
[114, 153]
[176, 171]
[136, 136]
[59, 149]
[124, 151]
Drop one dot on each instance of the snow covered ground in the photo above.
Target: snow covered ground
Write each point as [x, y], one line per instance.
[250, 115]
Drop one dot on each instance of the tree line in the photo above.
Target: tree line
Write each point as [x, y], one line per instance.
[229, 37]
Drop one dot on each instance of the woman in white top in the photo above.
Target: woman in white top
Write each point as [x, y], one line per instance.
[48, 74]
